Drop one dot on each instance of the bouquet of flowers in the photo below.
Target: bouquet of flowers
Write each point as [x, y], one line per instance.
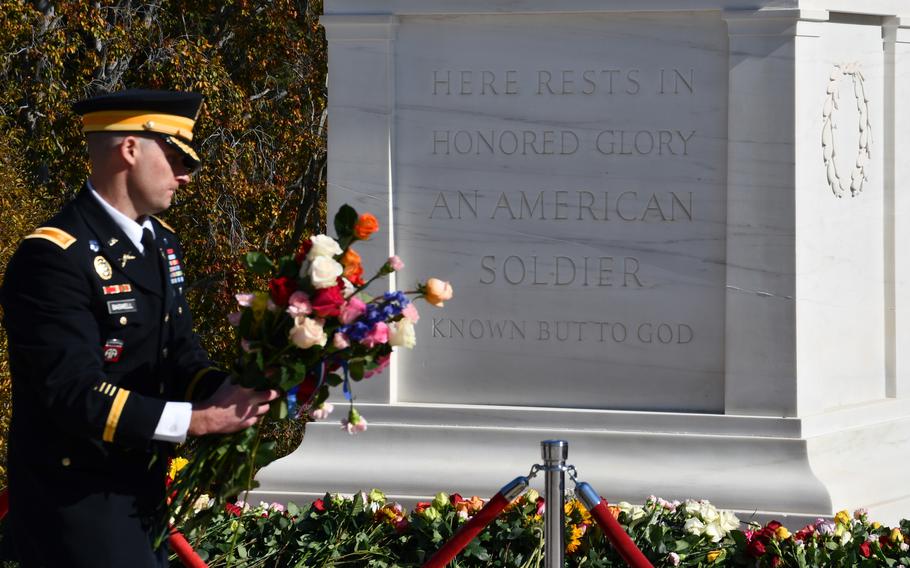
[313, 329]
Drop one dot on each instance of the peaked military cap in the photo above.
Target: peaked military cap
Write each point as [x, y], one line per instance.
[170, 114]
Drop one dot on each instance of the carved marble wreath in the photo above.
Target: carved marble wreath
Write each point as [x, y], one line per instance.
[836, 181]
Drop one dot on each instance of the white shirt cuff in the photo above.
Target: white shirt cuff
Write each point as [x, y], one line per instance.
[174, 422]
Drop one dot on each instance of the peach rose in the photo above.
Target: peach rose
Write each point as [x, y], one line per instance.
[437, 292]
[308, 332]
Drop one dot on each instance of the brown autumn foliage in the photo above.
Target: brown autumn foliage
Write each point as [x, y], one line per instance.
[261, 66]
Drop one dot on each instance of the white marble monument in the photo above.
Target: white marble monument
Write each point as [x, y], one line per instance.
[679, 237]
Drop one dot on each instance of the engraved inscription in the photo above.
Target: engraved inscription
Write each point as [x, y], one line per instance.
[561, 82]
[560, 205]
[641, 333]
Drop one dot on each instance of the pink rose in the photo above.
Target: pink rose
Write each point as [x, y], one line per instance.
[234, 318]
[395, 263]
[340, 341]
[245, 300]
[376, 336]
[299, 304]
[410, 313]
[351, 310]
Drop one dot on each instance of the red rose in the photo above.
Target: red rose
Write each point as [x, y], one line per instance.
[304, 249]
[775, 561]
[306, 389]
[756, 548]
[422, 506]
[865, 549]
[233, 509]
[455, 498]
[327, 302]
[319, 505]
[884, 541]
[281, 289]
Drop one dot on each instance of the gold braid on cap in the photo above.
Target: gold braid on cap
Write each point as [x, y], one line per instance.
[138, 120]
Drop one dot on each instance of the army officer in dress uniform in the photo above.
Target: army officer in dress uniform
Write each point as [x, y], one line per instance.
[102, 350]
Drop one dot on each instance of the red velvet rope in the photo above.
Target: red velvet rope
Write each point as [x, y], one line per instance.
[184, 551]
[178, 543]
[618, 537]
[467, 533]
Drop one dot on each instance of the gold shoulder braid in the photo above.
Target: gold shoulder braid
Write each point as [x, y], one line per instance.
[163, 224]
[57, 236]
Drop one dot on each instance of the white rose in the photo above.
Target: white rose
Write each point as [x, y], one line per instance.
[324, 272]
[728, 521]
[709, 513]
[307, 332]
[323, 245]
[402, 333]
[694, 526]
[714, 531]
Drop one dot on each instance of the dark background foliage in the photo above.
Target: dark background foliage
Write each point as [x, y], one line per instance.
[261, 66]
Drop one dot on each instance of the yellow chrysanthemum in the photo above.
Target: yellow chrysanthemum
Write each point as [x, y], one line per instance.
[574, 540]
[176, 465]
[896, 536]
[712, 556]
[782, 533]
[842, 518]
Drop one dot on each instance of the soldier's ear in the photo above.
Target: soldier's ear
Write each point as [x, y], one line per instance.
[130, 148]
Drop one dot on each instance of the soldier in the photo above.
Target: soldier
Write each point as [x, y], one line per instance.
[102, 351]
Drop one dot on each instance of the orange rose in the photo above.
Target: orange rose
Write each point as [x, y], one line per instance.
[350, 258]
[365, 226]
[353, 270]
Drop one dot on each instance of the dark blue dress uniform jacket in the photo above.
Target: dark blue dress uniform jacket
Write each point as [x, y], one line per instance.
[100, 338]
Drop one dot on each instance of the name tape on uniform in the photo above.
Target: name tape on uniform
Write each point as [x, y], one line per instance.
[125, 306]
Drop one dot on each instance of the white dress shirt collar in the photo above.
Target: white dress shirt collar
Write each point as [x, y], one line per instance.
[132, 229]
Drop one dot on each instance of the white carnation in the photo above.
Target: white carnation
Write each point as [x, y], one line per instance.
[402, 333]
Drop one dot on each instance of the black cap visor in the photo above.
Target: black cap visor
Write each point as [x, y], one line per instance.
[191, 160]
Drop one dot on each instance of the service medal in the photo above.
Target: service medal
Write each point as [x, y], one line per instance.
[103, 268]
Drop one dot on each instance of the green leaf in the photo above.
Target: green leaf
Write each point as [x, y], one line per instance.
[356, 369]
[344, 222]
[258, 263]
[279, 409]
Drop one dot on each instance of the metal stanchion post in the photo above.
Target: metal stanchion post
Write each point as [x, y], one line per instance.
[554, 453]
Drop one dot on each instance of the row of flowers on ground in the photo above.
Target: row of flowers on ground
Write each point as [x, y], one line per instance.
[367, 530]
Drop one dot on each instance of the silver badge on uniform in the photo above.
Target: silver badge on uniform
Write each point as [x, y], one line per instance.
[94, 246]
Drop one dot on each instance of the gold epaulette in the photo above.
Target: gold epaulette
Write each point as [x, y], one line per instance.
[163, 224]
[57, 236]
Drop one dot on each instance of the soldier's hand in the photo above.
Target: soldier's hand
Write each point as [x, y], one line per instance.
[230, 409]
